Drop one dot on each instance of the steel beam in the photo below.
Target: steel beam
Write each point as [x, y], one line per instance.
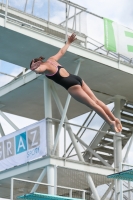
[34, 189]
[108, 191]
[93, 188]
[93, 152]
[2, 131]
[8, 120]
[43, 162]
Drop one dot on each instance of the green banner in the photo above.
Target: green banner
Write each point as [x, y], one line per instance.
[109, 37]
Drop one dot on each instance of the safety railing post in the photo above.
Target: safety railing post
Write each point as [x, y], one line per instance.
[65, 142]
[33, 7]
[66, 35]
[25, 6]
[48, 12]
[70, 193]
[121, 183]
[11, 188]
[6, 9]
[83, 194]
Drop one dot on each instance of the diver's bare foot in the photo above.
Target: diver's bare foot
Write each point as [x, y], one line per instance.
[113, 127]
[118, 123]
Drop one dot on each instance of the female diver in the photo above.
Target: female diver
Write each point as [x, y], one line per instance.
[75, 86]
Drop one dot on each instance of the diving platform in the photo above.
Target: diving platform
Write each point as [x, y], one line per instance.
[124, 175]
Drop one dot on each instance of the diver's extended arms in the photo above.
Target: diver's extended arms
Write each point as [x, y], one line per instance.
[63, 50]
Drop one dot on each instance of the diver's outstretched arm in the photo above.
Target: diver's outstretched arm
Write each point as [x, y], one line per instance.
[63, 50]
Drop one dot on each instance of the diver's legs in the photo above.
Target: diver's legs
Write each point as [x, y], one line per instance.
[101, 104]
[80, 95]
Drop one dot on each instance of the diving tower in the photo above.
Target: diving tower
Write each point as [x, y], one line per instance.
[25, 36]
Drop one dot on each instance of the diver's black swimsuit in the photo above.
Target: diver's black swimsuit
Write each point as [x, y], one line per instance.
[66, 82]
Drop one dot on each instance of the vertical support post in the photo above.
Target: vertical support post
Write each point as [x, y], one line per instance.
[83, 195]
[66, 24]
[74, 20]
[118, 141]
[55, 180]
[86, 41]
[121, 183]
[48, 12]
[51, 179]
[79, 22]
[6, 9]
[129, 192]
[48, 114]
[70, 193]
[56, 125]
[64, 144]
[118, 145]
[33, 7]
[92, 186]
[25, 6]
[12, 188]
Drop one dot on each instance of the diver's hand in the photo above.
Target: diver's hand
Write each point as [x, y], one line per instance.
[72, 38]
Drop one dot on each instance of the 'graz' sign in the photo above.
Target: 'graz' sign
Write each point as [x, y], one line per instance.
[23, 145]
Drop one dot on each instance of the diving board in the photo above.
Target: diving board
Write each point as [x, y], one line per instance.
[40, 196]
[124, 175]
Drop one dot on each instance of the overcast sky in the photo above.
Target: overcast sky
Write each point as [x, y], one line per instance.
[120, 11]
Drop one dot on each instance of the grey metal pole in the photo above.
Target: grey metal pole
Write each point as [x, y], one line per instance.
[48, 114]
[48, 11]
[33, 7]
[66, 24]
[51, 179]
[25, 5]
[8, 120]
[1, 131]
[93, 188]
[35, 187]
[12, 182]
[118, 146]
[56, 125]
[6, 9]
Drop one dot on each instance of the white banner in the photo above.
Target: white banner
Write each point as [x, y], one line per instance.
[23, 145]
[118, 38]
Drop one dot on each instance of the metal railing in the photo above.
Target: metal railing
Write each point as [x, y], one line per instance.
[67, 154]
[55, 187]
[73, 16]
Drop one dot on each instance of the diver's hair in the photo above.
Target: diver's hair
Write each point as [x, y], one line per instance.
[37, 59]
